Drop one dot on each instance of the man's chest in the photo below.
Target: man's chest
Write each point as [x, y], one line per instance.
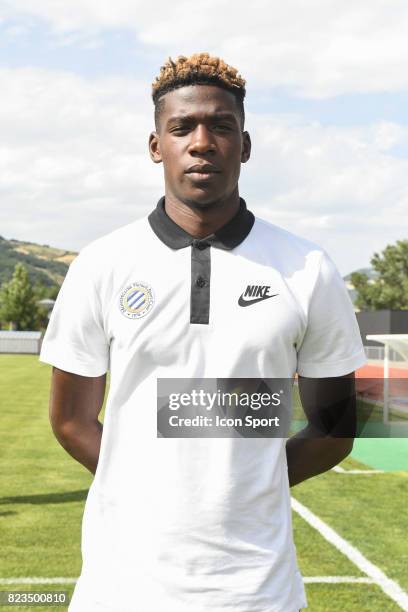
[251, 309]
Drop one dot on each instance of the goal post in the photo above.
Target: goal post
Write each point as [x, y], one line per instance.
[399, 343]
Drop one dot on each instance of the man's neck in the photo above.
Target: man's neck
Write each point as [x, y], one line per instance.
[201, 222]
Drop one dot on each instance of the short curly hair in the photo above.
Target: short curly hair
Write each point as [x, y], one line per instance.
[198, 69]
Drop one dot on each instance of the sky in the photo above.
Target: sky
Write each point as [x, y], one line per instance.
[326, 108]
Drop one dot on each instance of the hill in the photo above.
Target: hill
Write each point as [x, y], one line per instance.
[45, 264]
[49, 265]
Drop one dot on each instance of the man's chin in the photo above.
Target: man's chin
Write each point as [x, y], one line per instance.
[202, 198]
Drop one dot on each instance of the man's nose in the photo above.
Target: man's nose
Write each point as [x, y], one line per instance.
[202, 140]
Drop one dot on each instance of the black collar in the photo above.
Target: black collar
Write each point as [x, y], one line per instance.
[227, 237]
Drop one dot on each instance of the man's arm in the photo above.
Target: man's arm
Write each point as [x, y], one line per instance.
[330, 407]
[75, 404]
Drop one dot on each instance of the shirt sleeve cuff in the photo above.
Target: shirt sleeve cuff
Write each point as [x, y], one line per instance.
[72, 364]
[326, 369]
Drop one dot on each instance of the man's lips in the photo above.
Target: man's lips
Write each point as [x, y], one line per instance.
[206, 168]
[201, 177]
[202, 172]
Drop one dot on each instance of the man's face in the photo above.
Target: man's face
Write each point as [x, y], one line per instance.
[200, 141]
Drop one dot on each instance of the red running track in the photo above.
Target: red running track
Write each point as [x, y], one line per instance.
[377, 371]
[370, 382]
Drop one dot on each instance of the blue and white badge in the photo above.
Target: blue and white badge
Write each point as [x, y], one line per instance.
[136, 300]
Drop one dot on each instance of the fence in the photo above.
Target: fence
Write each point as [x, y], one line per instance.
[377, 353]
[20, 342]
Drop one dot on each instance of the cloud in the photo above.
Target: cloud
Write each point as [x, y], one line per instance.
[73, 155]
[316, 49]
[74, 165]
[340, 187]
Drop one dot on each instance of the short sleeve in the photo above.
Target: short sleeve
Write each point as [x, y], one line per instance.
[75, 340]
[331, 344]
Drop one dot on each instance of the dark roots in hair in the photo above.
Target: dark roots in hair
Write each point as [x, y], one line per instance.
[198, 69]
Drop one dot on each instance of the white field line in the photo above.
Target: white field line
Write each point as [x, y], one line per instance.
[390, 587]
[307, 579]
[340, 470]
[337, 580]
[39, 580]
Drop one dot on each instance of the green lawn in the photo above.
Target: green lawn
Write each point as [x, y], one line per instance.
[43, 491]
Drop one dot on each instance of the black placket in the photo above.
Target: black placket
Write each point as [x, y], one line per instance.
[200, 282]
[227, 237]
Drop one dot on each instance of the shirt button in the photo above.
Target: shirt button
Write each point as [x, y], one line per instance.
[200, 245]
[200, 282]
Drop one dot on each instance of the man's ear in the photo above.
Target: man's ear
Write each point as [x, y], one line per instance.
[154, 148]
[246, 147]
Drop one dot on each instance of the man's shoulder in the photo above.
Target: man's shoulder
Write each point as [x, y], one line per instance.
[267, 230]
[283, 245]
[117, 243]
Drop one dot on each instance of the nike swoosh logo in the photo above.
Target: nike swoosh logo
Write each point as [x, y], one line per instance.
[242, 302]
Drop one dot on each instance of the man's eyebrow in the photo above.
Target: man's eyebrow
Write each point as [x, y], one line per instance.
[212, 116]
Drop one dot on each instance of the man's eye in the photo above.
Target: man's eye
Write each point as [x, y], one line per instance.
[222, 127]
[180, 129]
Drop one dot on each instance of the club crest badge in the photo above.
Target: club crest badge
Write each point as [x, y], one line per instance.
[136, 300]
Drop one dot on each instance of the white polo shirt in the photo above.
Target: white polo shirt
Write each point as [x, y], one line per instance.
[194, 524]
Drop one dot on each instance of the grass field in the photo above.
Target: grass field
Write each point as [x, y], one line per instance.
[43, 491]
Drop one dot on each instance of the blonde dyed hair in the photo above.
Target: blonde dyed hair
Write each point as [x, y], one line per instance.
[197, 69]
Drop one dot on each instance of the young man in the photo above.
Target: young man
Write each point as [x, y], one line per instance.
[198, 289]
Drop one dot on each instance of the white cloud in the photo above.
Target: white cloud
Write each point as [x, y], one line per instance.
[340, 187]
[319, 48]
[74, 165]
[73, 155]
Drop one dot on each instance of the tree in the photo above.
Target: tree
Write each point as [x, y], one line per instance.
[390, 288]
[42, 291]
[18, 306]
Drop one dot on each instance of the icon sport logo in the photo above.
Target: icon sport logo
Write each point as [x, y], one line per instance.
[136, 300]
[254, 294]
